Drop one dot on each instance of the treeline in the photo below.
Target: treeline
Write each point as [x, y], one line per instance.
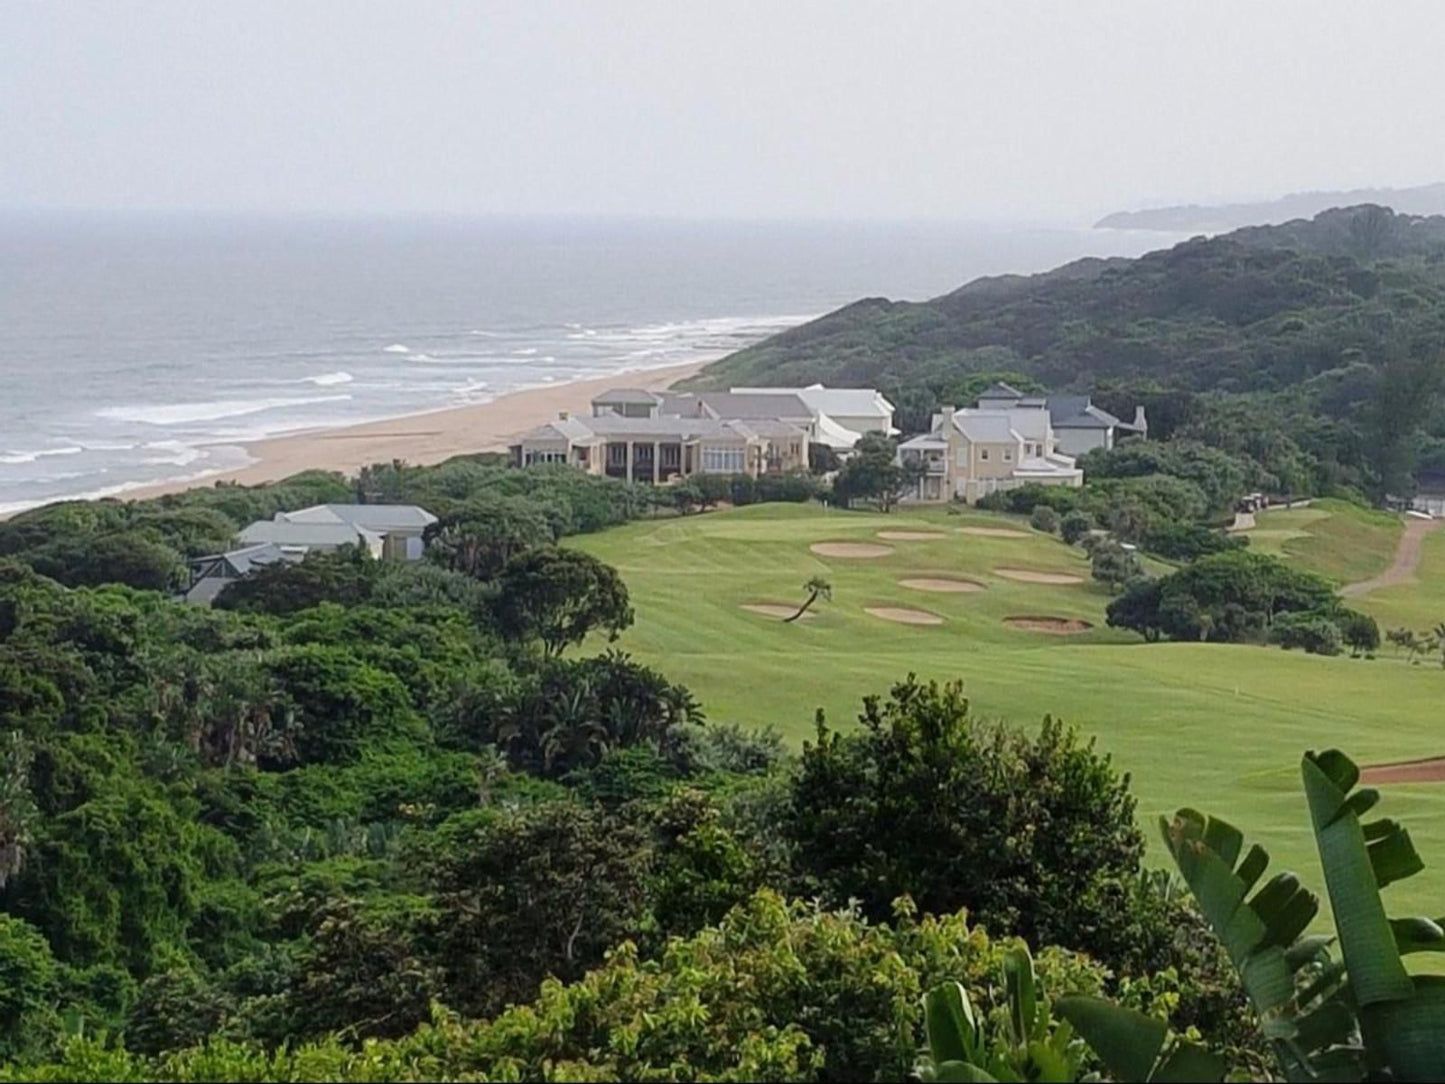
[1314, 349]
[146, 544]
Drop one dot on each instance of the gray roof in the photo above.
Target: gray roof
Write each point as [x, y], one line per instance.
[849, 402]
[626, 395]
[375, 517]
[768, 427]
[986, 426]
[928, 441]
[728, 405]
[1077, 412]
[561, 429]
[680, 428]
[306, 534]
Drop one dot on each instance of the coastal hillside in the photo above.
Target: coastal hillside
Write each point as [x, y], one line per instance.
[1328, 332]
[1427, 199]
[1258, 309]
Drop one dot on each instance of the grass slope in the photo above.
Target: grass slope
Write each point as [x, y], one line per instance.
[1216, 727]
[1334, 538]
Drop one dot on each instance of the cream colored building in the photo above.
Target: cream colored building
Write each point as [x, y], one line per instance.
[972, 453]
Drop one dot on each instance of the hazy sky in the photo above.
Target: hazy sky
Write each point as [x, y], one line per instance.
[703, 108]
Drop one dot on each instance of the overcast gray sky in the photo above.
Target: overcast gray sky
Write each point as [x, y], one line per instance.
[914, 108]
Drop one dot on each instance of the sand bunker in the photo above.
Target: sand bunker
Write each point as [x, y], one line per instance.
[1028, 575]
[910, 536]
[1058, 626]
[1410, 771]
[940, 585]
[992, 532]
[850, 549]
[903, 616]
[772, 609]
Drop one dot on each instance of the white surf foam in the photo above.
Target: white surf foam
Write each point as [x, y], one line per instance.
[177, 454]
[326, 380]
[15, 458]
[396, 348]
[184, 413]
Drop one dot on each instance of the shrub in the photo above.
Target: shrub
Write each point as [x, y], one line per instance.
[1316, 633]
[1025, 832]
[1044, 519]
[1075, 526]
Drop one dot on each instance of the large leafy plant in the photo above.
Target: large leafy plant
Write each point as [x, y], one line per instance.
[1361, 1015]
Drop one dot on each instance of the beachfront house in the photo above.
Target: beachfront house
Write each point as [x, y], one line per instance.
[391, 532]
[400, 526]
[657, 437]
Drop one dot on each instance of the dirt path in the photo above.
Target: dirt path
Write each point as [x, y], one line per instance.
[1409, 771]
[1407, 559]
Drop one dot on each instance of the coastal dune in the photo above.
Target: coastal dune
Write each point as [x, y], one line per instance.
[421, 439]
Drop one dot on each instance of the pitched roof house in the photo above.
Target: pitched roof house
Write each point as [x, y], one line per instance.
[971, 453]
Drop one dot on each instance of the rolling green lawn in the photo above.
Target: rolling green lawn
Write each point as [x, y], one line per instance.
[1334, 538]
[1218, 727]
[1419, 605]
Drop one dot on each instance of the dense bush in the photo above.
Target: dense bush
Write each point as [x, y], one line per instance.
[1045, 519]
[924, 799]
[1075, 526]
[1229, 597]
[1189, 541]
[1315, 633]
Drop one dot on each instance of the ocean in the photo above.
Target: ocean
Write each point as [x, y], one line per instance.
[135, 350]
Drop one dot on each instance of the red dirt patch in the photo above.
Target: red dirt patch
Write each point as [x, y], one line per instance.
[1429, 770]
[1029, 575]
[903, 616]
[1058, 626]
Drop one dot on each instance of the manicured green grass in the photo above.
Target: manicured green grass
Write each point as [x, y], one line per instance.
[1334, 538]
[1218, 727]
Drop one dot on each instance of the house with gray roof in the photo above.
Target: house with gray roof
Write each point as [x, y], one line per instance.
[971, 453]
[1079, 426]
[400, 526]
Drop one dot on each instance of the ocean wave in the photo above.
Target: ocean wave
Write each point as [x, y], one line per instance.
[420, 357]
[179, 454]
[184, 413]
[326, 380]
[15, 458]
[396, 348]
[525, 352]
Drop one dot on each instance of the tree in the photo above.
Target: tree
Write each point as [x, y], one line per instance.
[873, 473]
[1361, 632]
[1113, 565]
[1075, 526]
[345, 577]
[1027, 833]
[558, 596]
[531, 892]
[479, 538]
[28, 985]
[816, 586]
[1315, 633]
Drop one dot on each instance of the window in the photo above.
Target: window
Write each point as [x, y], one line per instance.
[1008, 455]
[722, 460]
[543, 457]
[983, 454]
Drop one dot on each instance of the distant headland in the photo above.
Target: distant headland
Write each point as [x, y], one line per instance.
[1426, 199]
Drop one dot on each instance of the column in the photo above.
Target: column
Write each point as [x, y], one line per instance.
[656, 455]
[629, 460]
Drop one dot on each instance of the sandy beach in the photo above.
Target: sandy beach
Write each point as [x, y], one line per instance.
[425, 438]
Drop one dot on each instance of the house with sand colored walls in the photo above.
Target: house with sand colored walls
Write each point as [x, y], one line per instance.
[658, 437]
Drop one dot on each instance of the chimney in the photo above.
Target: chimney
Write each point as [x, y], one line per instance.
[563, 415]
[1140, 422]
[945, 415]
